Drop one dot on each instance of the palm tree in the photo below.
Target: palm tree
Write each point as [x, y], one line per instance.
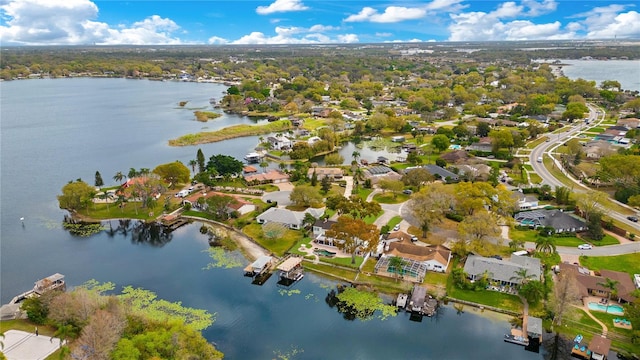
[612, 286]
[264, 165]
[521, 276]
[355, 155]
[64, 332]
[358, 176]
[132, 173]
[282, 166]
[546, 244]
[119, 176]
[397, 264]
[193, 164]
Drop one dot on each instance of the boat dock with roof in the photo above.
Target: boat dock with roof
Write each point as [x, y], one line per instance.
[421, 303]
[259, 267]
[291, 269]
[52, 282]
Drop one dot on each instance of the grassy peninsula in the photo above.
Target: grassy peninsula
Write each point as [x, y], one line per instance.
[231, 132]
[205, 116]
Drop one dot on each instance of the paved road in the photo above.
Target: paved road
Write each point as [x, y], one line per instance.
[609, 250]
[595, 117]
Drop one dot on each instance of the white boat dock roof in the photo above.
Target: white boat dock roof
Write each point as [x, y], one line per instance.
[289, 264]
[261, 262]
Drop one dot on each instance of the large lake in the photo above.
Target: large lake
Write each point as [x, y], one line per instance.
[53, 131]
[627, 72]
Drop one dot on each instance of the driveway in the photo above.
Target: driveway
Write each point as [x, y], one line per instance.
[281, 197]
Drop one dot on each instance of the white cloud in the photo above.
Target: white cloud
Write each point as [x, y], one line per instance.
[449, 5]
[624, 25]
[217, 40]
[281, 6]
[392, 14]
[540, 8]
[383, 34]
[71, 22]
[494, 26]
[297, 35]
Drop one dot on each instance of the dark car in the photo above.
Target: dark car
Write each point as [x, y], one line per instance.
[632, 218]
[407, 191]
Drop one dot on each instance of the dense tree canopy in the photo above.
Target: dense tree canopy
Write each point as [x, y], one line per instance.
[173, 173]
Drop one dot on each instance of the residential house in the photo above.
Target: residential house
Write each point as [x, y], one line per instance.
[322, 172]
[589, 284]
[270, 177]
[375, 173]
[314, 139]
[441, 173]
[473, 172]
[525, 202]
[280, 142]
[455, 157]
[288, 218]
[483, 145]
[321, 226]
[249, 169]
[598, 148]
[239, 204]
[501, 272]
[629, 123]
[435, 258]
[559, 220]
[398, 138]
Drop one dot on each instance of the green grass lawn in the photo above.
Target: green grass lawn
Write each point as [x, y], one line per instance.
[302, 242]
[569, 241]
[332, 270]
[394, 221]
[523, 235]
[486, 297]
[606, 240]
[372, 218]
[388, 198]
[346, 262]
[629, 263]
[596, 130]
[436, 279]
[362, 192]
[278, 246]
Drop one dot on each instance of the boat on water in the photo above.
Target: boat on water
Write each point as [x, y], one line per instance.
[515, 339]
[291, 269]
[53, 282]
[253, 157]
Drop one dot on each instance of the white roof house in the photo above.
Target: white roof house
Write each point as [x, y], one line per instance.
[288, 218]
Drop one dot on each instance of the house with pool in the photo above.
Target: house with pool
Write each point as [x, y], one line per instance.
[590, 287]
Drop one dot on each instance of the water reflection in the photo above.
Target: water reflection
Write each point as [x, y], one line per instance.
[142, 232]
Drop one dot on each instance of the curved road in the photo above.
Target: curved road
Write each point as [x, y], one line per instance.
[596, 116]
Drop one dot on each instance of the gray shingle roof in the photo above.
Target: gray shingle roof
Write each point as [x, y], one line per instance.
[557, 219]
[501, 270]
[437, 170]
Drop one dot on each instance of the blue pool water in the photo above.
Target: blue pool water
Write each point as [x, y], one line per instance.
[613, 309]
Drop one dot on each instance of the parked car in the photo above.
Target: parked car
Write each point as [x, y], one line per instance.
[414, 238]
[396, 228]
[585, 247]
[407, 191]
[632, 218]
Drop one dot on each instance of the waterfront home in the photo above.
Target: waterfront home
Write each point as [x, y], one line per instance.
[589, 284]
[270, 177]
[501, 273]
[525, 202]
[559, 220]
[375, 173]
[288, 218]
[239, 204]
[279, 142]
[322, 172]
[434, 258]
[314, 139]
[321, 226]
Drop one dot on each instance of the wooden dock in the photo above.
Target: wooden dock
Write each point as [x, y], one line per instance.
[260, 266]
[421, 303]
[173, 224]
[291, 269]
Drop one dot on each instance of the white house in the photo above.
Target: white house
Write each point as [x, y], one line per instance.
[435, 258]
[280, 142]
[525, 202]
[288, 218]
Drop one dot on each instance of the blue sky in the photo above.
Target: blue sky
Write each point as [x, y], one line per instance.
[78, 22]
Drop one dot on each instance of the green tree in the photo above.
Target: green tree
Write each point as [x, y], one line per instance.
[417, 177]
[218, 206]
[75, 196]
[119, 176]
[594, 226]
[325, 185]
[430, 205]
[193, 163]
[201, 161]
[546, 244]
[354, 236]
[479, 227]
[396, 265]
[36, 310]
[333, 159]
[224, 165]
[314, 178]
[305, 195]
[173, 173]
[394, 186]
[355, 155]
[521, 277]
[532, 290]
[440, 142]
[98, 180]
[612, 286]
[264, 165]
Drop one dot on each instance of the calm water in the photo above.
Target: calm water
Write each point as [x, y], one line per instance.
[53, 131]
[627, 72]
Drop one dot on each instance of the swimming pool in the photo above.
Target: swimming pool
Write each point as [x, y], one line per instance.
[613, 309]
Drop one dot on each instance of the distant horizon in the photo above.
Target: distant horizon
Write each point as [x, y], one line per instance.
[303, 22]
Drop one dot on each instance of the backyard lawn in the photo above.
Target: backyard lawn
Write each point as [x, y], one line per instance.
[278, 246]
[388, 198]
[629, 263]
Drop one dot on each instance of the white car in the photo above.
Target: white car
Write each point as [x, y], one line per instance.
[396, 228]
[585, 247]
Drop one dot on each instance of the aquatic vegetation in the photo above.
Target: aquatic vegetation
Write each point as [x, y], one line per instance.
[82, 229]
[291, 292]
[222, 259]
